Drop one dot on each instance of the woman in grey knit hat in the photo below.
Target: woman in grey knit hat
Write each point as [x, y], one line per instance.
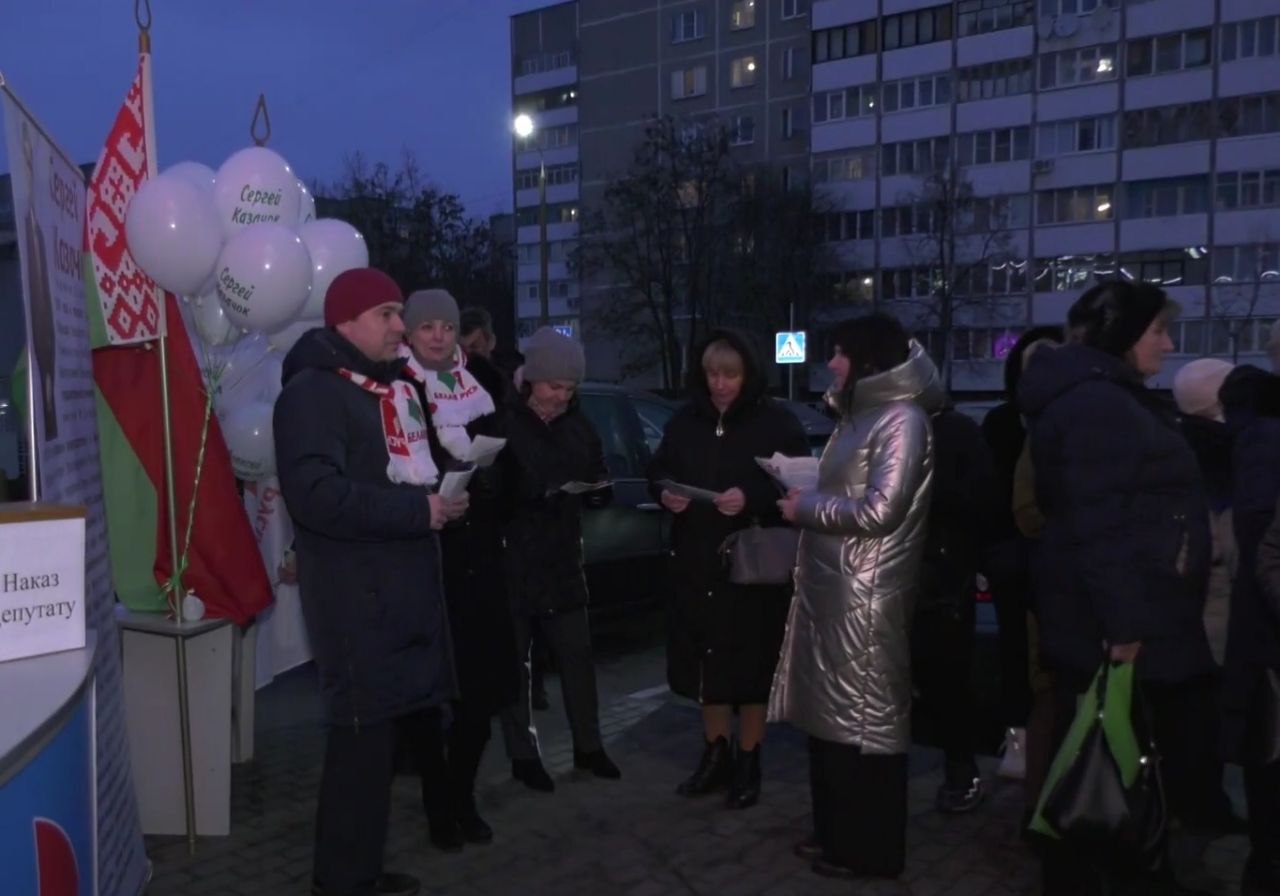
[551, 444]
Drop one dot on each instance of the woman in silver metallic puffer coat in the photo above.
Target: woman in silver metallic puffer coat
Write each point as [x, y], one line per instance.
[844, 676]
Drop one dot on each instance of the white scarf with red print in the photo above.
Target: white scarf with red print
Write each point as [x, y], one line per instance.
[455, 398]
[404, 426]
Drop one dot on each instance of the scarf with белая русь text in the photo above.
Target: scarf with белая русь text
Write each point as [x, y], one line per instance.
[404, 427]
[456, 398]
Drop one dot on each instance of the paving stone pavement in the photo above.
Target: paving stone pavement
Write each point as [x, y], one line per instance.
[632, 837]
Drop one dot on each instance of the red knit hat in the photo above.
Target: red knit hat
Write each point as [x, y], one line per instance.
[354, 292]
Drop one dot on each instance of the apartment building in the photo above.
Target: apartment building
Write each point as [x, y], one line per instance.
[1099, 138]
[1138, 139]
[592, 73]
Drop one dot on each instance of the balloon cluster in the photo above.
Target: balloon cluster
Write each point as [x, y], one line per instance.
[243, 247]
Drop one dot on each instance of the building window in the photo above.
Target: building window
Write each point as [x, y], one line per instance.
[921, 26]
[984, 82]
[1073, 273]
[556, 98]
[789, 63]
[845, 41]
[1245, 40]
[1074, 205]
[1003, 278]
[1247, 189]
[1257, 263]
[549, 138]
[1163, 125]
[987, 147]
[786, 178]
[983, 16]
[914, 156]
[1166, 196]
[1082, 66]
[1073, 7]
[1166, 267]
[557, 175]
[850, 166]
[1060, 138]
[788, 123]
[744, 130]
[557, 213]
[688, 25]
[793, 9]
[856, 225]
[1167, 53]
[983, 214]
[917, 93]
[743, 15]
[852, 102]
[906, 220]
[1240, 116]
[689, 82]
[742, 71]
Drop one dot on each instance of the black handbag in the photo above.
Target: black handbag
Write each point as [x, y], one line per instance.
[1091, 806]
[760, 555]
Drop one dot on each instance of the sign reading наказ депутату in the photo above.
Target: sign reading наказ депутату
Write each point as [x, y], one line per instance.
[41, 579]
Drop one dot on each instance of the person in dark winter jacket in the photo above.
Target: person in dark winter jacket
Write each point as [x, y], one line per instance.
[357, 477]
[466, 398]
[1007, 559]
[723, 639]
[1252, 667]
[1121, 570]
[553, 449]
[942, 634]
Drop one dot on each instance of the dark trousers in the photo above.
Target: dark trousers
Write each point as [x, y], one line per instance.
[468, 737]
[355, 800]
[859, 807]
[942, 640]
[1007, 571]
[449, 762]
[568, 639]
[1262, 794]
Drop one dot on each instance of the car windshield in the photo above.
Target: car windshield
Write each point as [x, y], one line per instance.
[625, 452]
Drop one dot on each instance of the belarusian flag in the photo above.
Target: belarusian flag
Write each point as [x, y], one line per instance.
[126, 318]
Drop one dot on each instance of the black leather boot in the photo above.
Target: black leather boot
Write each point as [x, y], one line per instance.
[744, 791]
[714, 770]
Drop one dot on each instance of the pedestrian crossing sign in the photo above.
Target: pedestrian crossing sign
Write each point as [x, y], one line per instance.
[789, 347]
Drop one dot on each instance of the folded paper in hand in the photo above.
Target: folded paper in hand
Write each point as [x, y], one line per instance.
[692, 492]
[578, 488]
[454, 483]
[792, 472]
[484, 450]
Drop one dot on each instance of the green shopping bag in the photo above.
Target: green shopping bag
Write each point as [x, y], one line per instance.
[1103, 792]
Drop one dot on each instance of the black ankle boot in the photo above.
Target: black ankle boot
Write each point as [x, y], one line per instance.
[744, 791]
[714, 770]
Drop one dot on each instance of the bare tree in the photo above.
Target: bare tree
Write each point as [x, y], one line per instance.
[1237, 308]
[961, 239]
[653, 242]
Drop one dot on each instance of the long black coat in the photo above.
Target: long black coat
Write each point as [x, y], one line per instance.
[475, 586]
[1126, 550]
[544, 531]
[723, 639]
[1253, 632]
[368, 560]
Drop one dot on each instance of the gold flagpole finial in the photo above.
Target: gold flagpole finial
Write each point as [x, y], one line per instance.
[260, 115]
[142, 16]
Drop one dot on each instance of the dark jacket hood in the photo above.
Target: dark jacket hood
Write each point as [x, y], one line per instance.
[754, 383]
[325, 349]
[1055, 371]
[1248, 393]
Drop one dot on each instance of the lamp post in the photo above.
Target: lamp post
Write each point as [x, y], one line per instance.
[524, 128]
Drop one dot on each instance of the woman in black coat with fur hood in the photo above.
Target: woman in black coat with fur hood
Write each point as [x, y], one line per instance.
[723, 640]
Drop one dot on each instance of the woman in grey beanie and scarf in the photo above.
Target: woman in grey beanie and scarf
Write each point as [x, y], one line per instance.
[551, 444]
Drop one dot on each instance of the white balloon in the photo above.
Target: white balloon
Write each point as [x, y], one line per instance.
[211, 323]
[256, 185]
[248, 434]
[264, 276]
[284, 339]
[197, 174]
[335, 246]
[307, 207]
[260, 382]
[173, 234]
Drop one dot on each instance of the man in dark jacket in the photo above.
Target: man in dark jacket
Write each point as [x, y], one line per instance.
[350, 442]
[552, 451]
[960, 519]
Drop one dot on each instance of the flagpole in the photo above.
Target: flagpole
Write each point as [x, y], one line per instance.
[175, 576]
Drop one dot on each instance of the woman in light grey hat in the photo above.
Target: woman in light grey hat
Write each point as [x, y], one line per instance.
[551, 444]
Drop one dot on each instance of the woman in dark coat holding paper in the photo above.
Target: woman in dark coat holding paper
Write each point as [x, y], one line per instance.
[723, 640]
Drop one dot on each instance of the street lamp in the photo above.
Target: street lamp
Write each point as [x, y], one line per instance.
[524, 128]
